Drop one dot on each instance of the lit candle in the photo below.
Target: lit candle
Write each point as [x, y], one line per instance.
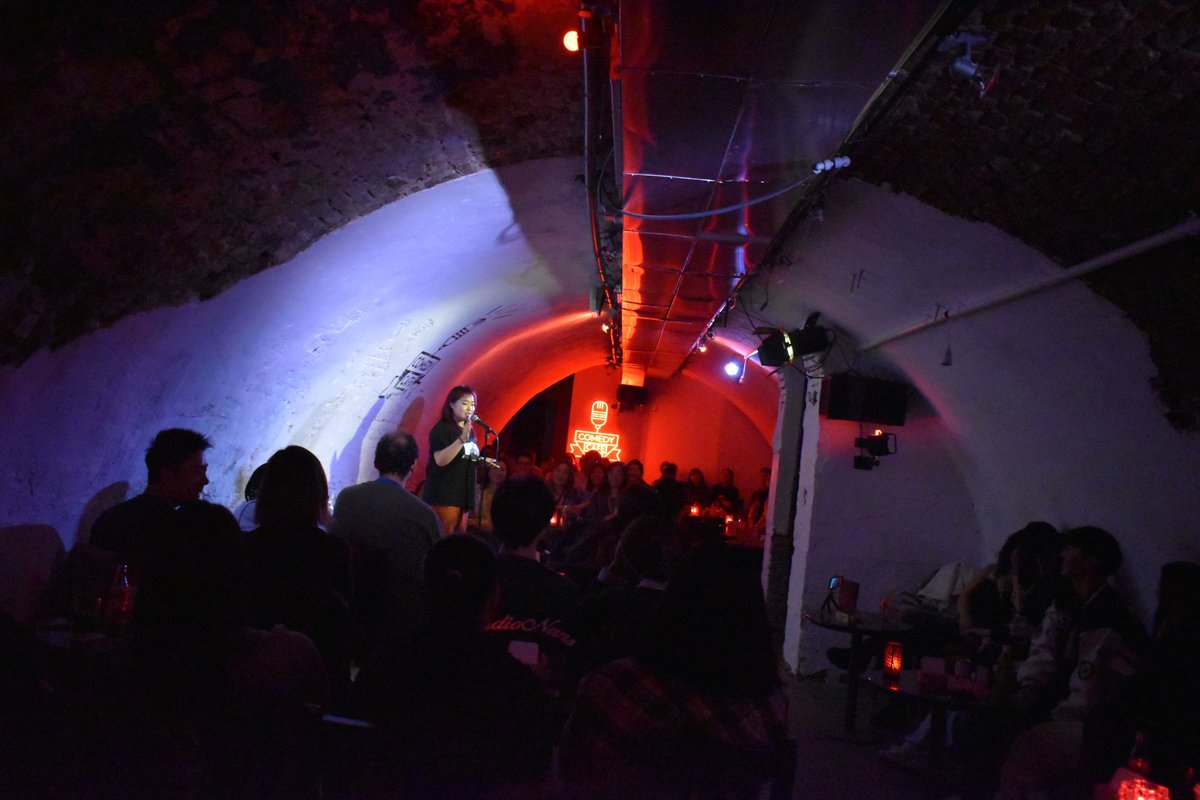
[893, 658]
[1142, 789]
[695, 511]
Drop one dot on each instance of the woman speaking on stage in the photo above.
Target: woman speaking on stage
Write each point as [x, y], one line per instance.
[453, 455]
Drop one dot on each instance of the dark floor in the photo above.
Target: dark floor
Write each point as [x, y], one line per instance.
[833, 766]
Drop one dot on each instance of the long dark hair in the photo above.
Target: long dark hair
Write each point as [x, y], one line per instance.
[453, 397]
[294, 491]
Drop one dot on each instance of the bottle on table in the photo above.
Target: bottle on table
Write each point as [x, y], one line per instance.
[120, 600]
[1139, 756]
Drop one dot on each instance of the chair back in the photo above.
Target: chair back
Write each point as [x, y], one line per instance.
[31, 556]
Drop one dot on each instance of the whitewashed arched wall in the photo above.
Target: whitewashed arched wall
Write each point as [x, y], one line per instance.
[1046, 411]
[300, 353]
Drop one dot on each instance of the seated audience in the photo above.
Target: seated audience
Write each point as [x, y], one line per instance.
[756, 511]
[175, 473]
[464, 718]
[492, 477]
[582, 557]
[246, 693]
[725, 495]
[1010, 597]
[1088, 648]
[635, 474]
[1005, 602]
[1162, 699]
[568, 499]
[245, 511]
[299, 574]
[697, 492]
[389, 530]
[615, 485]
[672, 493]
[699, 711]
[538, 616]
[629, 590]
[597, 491]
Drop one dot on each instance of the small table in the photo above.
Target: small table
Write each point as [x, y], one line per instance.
[859, 626]
[939, 703]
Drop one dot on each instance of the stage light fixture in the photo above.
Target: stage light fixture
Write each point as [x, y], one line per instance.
[733, 369]
[877, 444]
[781, 347]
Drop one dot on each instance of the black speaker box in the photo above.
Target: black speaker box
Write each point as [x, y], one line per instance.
[862, 399]
[628, 395]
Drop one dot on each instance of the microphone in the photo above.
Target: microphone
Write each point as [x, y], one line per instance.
[482, 424]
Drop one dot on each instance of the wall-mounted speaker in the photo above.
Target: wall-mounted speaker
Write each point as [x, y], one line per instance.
[630, 396]
[854, 397]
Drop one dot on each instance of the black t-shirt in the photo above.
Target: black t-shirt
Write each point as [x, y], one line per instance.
[132, 529]
[453, 484]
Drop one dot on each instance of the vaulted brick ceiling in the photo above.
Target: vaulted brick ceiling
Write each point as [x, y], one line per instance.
[153, 156]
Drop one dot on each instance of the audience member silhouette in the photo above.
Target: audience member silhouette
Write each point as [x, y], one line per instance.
[672, 493]
[246, 693]
[725, 495]
[629, 590]
[756, 511]
[1012, 595]
[245, 511]
[697, 491]
[389, 530]
[1081, 658]
[464, 719]
[635, 473]
[299, 574]
[1162, 699]
[538, 615]
[492, 477]
[598, 492]
[175, 473]
[698, 712]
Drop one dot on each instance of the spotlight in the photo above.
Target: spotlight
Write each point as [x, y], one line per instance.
[983, 79]
[570, 41]
[703, 348]
[776, 350]
[733, 369]
[965, 64]
[781, 347]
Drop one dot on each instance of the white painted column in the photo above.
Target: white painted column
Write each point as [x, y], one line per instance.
[785, 554]
[802, 521]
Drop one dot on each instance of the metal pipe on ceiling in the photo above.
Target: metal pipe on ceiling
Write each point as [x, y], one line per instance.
[1183, 230]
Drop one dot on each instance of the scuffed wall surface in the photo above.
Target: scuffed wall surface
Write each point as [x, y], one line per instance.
[155, 153]
[1047, 410]
[299, 354]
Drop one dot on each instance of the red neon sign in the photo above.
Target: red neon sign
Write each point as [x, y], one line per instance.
[606, 444]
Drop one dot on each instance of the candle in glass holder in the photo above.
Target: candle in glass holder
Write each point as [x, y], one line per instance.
[1142, 789]
[694, 511]
[893, 658]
